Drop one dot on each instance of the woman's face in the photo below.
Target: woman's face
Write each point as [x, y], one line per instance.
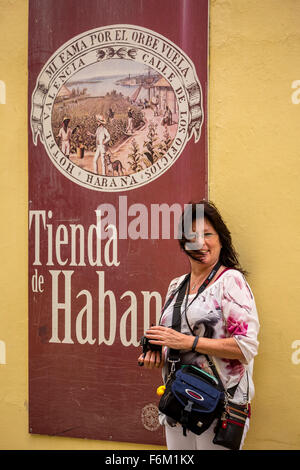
[209, 244]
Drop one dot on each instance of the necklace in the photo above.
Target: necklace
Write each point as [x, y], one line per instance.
[195, 285]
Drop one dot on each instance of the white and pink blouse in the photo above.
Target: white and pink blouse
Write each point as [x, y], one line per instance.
[224, 309]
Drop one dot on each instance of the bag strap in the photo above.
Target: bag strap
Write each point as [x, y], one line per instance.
[172, 295]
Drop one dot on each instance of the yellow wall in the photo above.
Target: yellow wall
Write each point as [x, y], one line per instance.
[254, 171]
[253, 176]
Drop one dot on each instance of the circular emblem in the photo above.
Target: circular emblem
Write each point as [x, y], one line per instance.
[115, 106]
[149, 417]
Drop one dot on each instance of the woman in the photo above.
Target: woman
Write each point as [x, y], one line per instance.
[224, 317]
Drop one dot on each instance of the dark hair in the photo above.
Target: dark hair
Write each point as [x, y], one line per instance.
[228, 255]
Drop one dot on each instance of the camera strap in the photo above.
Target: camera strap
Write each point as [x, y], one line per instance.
[174, 354]
[181, 286]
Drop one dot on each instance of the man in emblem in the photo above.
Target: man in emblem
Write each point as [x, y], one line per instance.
[65, 134]
[102, 138]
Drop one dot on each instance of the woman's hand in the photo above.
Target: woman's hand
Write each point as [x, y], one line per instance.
[168, 337]
[152, 360]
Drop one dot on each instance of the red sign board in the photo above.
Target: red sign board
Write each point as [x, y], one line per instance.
[117, 146]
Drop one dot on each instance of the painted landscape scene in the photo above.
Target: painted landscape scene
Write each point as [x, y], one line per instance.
[115, 118]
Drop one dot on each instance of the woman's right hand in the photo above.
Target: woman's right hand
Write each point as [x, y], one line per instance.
[152, 360]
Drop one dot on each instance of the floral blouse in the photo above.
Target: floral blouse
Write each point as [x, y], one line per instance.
[224, 309]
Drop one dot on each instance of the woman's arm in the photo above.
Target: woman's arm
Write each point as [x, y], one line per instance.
[226, 348]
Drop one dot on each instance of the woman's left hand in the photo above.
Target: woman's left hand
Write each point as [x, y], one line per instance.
[168, 337]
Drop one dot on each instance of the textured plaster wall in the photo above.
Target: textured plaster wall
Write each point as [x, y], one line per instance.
[254, 179]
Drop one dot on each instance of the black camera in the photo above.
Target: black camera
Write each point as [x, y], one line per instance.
[147, 346]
